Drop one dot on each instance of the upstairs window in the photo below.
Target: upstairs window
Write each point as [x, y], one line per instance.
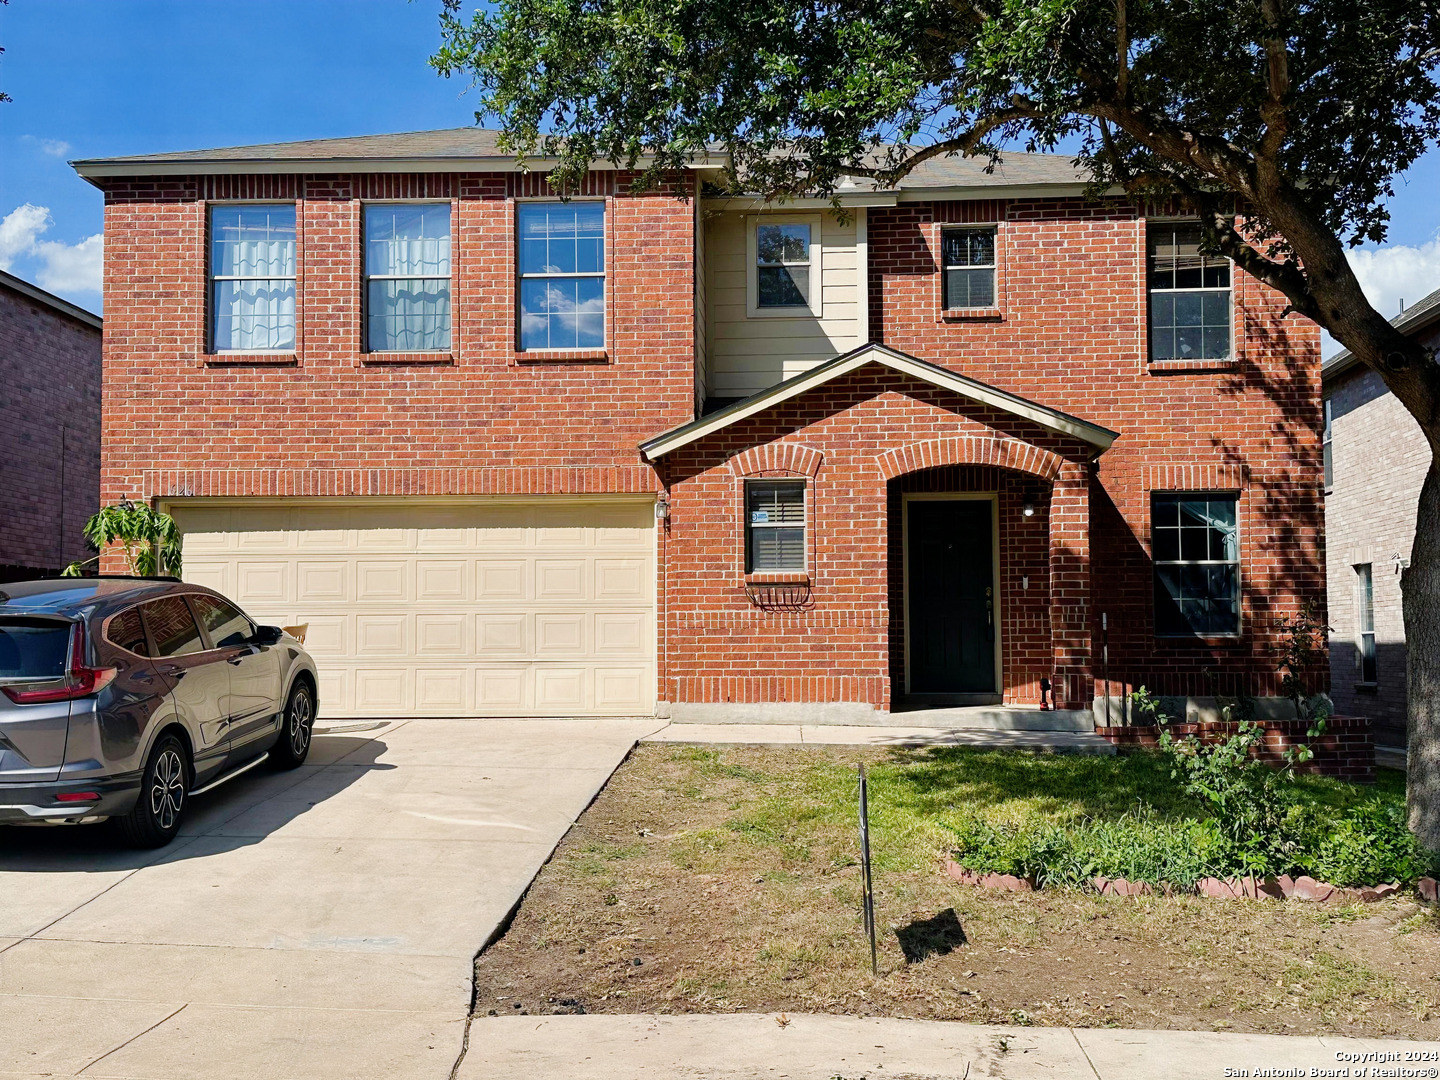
[968, 257]
[1195, 545]
[562, 275]
[407, 277]
[785, 262]
[1189, 296]
[252, 278]
[1365, 620]
[774, 526]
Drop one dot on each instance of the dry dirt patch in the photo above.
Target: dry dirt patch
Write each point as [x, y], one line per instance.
[725, 879]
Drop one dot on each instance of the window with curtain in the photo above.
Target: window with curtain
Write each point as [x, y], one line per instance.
[774, 525]
[1189, 296]
[1365, 620]
[407, 277]
[969, 258]
[252, 278]
[1195, 546]
[562, 275]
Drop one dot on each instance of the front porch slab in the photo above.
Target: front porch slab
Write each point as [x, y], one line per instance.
[1068, 742]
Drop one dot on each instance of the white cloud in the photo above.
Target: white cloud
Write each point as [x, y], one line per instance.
[1390, 274]
[50, 147]
[18, 231]
[59, 267]
[72, 268]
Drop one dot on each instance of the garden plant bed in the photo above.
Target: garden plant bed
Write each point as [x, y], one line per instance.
[725, 879]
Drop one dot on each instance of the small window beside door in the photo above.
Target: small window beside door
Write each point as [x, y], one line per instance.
[774, 526]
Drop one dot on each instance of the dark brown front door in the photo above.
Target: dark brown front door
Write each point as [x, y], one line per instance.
[951, 606]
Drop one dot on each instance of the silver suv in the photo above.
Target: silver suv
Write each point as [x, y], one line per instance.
[122, 697]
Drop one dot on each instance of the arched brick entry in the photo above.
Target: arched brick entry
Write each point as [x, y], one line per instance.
[983, 464]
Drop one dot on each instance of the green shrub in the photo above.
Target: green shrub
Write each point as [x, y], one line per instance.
[1369, 845]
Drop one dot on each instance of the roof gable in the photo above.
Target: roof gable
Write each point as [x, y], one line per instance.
[982, 393]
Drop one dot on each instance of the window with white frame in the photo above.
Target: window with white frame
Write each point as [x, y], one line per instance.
[407, 277]
[1327, 439]
[782, 264]
[562, 275]
[968, 257]
[1365, 621]
[1195, 546]
[774, 526]
[252, 278]
[1189, 295]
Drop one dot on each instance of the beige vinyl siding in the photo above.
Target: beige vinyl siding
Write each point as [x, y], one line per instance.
[745, 355]
[702, 374]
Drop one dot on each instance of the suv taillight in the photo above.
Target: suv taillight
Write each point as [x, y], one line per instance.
[81, 681]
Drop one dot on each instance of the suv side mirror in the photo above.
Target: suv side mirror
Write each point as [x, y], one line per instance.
[268, 635]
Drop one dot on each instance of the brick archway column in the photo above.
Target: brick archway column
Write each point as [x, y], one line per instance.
[1070, 586]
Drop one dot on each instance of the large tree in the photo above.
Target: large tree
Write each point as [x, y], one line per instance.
[1280, 123]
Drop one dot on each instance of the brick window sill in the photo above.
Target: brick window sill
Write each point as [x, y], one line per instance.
[561, 356]
[778, 577]
[407, 358]
[968, 314]
[1367, 687]
[249, 359]
[1225, 640]
[1161, 367]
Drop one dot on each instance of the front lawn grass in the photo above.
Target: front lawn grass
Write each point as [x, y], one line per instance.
[725, 878]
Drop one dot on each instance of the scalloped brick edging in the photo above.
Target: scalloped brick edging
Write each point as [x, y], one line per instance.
[1429, 890]
[1303, 888]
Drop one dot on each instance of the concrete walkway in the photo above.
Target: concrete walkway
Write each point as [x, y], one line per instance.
[747, 1046]
[319, 923]
[1074, 742]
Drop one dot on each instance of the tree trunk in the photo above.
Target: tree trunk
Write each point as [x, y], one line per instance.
[1421, 588]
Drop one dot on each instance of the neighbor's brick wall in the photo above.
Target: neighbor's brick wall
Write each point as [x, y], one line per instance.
[1379, 458]
[333, 420]
[1071, 334]
[49, 376]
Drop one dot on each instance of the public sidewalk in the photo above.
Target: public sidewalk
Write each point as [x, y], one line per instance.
[775, 1046]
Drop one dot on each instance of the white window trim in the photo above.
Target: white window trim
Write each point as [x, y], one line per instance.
[603, 274]
[815, 308]
[1151, 291]
[988, 226]
[211, 277]
[366, 277]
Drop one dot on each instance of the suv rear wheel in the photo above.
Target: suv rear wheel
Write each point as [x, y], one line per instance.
[164, 785]
[293, 746]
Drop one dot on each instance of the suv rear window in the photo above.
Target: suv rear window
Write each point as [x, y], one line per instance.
[125, 631]
[33, 648]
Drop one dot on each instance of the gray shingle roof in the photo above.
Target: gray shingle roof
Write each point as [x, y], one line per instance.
[1412, 320]
[453, 148]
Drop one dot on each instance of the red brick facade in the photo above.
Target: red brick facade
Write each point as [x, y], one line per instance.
[49, 380]
[1068, 332]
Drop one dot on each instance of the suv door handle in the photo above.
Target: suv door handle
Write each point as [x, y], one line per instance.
[234, 661]
[172, 669]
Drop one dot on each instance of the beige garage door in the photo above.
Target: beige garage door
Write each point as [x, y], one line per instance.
[538, 608]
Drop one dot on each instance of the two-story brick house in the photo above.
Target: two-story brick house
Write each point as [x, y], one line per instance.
[630, 453]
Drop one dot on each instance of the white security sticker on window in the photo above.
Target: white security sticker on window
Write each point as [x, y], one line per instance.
[759, 516]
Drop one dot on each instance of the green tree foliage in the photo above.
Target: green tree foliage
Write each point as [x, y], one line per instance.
[1281, 124]
[141, 533]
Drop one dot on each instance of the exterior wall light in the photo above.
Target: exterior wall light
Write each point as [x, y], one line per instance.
[1029, 510]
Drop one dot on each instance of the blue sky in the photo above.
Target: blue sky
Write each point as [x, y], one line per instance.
[92, 78]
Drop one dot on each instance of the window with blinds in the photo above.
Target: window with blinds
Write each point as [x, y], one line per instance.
[774, 525]
[1189, 296]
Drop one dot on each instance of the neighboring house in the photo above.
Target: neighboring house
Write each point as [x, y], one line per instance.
[663, 453]
[1375, 463]
[49, 429]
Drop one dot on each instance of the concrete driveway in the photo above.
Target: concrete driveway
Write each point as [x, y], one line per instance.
[316, 923]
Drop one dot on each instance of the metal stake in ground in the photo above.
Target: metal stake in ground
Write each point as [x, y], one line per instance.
[869, 884]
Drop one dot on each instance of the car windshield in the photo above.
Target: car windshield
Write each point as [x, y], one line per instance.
[33, 648]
